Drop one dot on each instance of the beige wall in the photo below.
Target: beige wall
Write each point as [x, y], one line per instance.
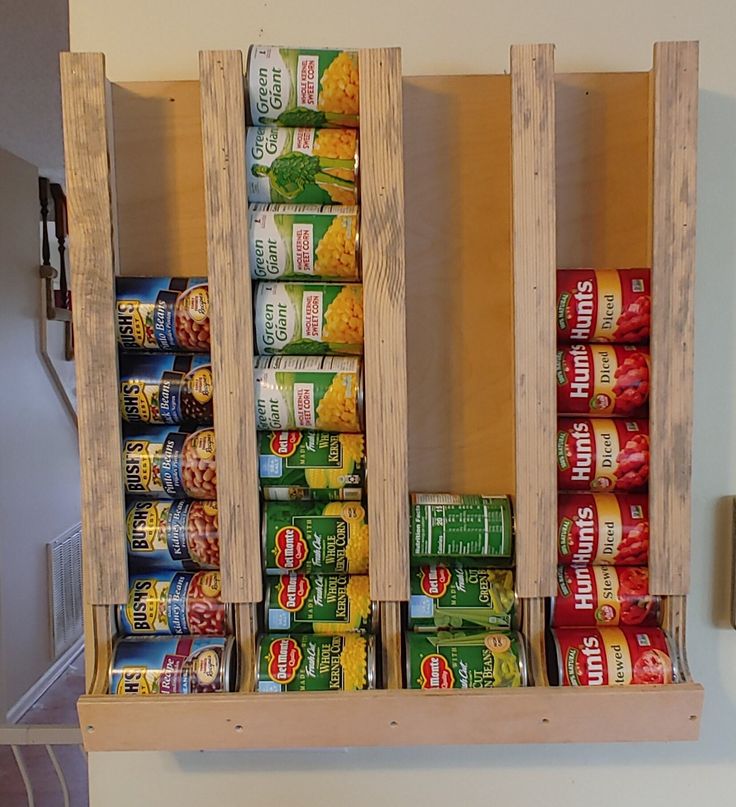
[160, 40]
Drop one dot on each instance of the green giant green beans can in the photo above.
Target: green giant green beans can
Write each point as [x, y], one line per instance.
[465, 661]
[462, 598]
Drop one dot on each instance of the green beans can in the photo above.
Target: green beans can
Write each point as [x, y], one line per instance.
[465, 661]
[462, 598]
[303, 242]
[302, 165]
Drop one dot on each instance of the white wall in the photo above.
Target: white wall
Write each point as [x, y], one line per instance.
[155, 41]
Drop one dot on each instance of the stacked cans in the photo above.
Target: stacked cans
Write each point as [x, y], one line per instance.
[303, 229]
[463, 611]
[603, 623]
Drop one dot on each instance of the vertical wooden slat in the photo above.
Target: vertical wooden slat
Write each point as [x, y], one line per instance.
[392, 645]
[231, 318]
[533, 190]
[89, 176]
[533, 628]
[675, 99]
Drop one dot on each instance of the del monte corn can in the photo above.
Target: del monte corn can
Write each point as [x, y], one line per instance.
[303, 86]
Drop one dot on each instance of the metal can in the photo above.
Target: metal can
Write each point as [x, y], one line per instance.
[166, 388]
[602, 454]
[603, 380]
[173, 534]
[302, 165]
[163, 313]
[445, 526]
[306, 662]
[323, 393]
[309, 318]
[167, 665]
[319, 466]
[303, 86]
[603, 305]
[178, 603]
[610, 657]
[178, 464]
[603, 595]
[605, 529]
[478, 660]
[462, 598]
[303, 242]
[312, 537]
[319, 603]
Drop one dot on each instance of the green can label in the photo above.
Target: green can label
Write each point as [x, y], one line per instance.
[319, 466]
[302, 165]
[308, 318]
[465, 661]
[447, 526]
[315, 538]
[461, 598]
[315, 663]
[303, 242]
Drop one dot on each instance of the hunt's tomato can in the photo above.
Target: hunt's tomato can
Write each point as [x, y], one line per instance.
[589, 657]
[603, 529]
[603, 380]
[602, 454]
[603, 595]
[603, 305]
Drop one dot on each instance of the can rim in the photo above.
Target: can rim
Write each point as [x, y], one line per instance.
[370, 662]
[266, 602]
[674, 656]
[558, 656]
[230, 664]
[360, 401]
[264, 559]
[375, 619]
[257, 661]
[523, 663]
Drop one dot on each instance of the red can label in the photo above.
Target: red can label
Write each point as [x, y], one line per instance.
[603, 595]
[603, 305]
[602, 454]
[603, 529]
[613, 656]
[602, 380]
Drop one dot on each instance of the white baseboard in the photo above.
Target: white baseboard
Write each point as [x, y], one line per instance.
[24, 703]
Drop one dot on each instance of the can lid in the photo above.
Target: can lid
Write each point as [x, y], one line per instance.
[375, 619]
[257, 661]
[360, 402]
[370, 662]
[523, 659]
[230, 664]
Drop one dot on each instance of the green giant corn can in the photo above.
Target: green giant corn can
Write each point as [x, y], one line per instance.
[305, 662]
[308, 318]
[462, 598]
[303, 242]
[303, 87]
[302, 165]
[465, 661]
[319, 466]
[323, 393]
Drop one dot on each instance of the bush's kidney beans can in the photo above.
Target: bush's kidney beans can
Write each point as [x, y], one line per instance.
[604, 529]
[602, 454]
[610, 657]
[603, 596]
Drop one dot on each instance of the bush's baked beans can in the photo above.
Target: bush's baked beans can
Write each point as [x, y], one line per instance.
[166, 388]
[477, 660]
[610, 657]
[314, 538]
[163, 313]
[168, 665]
[602, 454]
[303, 86]
[461, 597]
[173, 534]
[445, 526]
[306, 662]
[319, 466]
[178, 464]
[302, 165]
[303, 242]
[605, 529]
[603, 595]
[319, 603]
[603, 305]
[603, 380]
[322, 393]
[180, 603]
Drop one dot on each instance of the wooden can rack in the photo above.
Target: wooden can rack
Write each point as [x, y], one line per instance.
[507, 176]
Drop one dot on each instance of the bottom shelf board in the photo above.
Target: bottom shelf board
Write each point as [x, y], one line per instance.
[391, 718]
